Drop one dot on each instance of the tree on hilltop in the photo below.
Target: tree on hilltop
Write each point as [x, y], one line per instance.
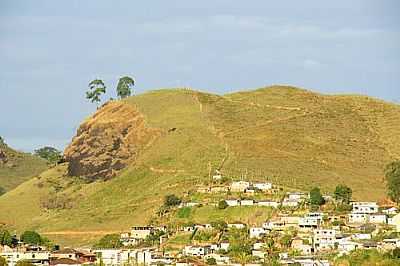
[96, 88]
[50, 154]
[124, 87]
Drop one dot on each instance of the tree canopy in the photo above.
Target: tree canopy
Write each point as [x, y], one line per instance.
[343, 193]
[6, 238]
[171, 200]
[49, 153]
[96, 88]
[316, 197]
[392, 173]
[124, 87]
[31, 237]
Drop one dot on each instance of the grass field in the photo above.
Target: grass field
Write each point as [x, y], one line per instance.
[289, 136]
[19, 167]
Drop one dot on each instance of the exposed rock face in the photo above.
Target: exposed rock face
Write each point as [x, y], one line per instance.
[108, 141]
[3, 156]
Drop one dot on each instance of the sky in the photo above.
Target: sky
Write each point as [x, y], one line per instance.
[50, 50]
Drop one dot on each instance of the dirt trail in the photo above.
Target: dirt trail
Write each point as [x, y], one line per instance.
[78, 233]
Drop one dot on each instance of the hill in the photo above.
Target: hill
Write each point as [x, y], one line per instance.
[131, 153]
[17, 167]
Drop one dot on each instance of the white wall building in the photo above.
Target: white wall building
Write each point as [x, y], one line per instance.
[263, 186]
[239, 186]
[256, 232]
[365, 207]
[35, 257]
[324, 239]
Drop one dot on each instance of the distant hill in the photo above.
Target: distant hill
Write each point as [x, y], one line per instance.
[131, 153]
[17, 167]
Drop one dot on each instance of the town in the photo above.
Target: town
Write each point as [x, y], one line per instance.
[303, 228]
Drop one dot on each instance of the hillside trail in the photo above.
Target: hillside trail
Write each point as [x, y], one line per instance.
[78, 233]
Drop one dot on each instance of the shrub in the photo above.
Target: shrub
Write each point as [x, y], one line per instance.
[211, 261]
[222, 205]
[109, 241]
[31, 237]
[172, 200]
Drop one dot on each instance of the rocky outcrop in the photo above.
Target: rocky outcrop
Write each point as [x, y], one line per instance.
[108, 141]
[3, 157]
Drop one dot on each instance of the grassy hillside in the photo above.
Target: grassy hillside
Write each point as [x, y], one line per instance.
[287, 135]
[18, 167]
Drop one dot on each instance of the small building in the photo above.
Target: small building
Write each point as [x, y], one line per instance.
[365, 207]
[297, 196]
[275, 224]
[34, 257]
[246, 202]
[266, 203]
[141, 232]
[378, 218]
[239, 186]
[395, 221]
[390, 211]
[324, 239]
[263, 186]
[290, 203]
[196, 251]
[237, 225]
[232, 202]
[256, 232]
[358, 218]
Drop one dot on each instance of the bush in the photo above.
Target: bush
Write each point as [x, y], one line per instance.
[211, 261]
[316, 197]
[172, 200]
[222, 205]
[109, 241]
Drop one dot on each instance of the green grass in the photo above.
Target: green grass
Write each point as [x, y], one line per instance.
[285, 135]
[19, 168]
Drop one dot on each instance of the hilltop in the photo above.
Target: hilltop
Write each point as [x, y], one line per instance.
[17, 167]
[133, 152]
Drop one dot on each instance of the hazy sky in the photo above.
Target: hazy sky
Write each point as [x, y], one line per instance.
[50, 50]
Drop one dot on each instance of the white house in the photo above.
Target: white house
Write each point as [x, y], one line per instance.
[297, 196]
[275, 224]
[311, 220]
[232, 202]
[239, 186]
[290, 203]
[390, 211]
[256, 232]
[35, 257]
[237, 225]
[259, 254]
[365, 207]
[112, 257]
[378, 218]
[358, 218]
[361, 236]
[196, 251]
[247, 202]
[263, 186]
[272, 204]
[324, 239]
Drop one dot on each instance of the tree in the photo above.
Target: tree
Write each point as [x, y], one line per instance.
[219, 225]
[392, 173]
[109, 241]
[222, 205]
[124, 87]
[3, 261]
[172, 200]
[31, 237]
[24, 263]
[50, 154]
[286, 240]
[316, 197]
[211, 261]
[5, 238]
[96, 88]
[343, 193]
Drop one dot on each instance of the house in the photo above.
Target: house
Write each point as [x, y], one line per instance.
[358, 218]
[111, 257]
[272, 204]
[361, 236]
[196, 251]
[290, 203]
[259, 253]
[65, 262]
[396, 222]
[256, 232]
[274, 224]
[324, 239]
[365, 207]
[239, 186]
[390, 211]
[232, 202]
[389, 244]
[217, 176]
[141, 232]
[378, 218]
[237, 225]
[76, 255]
[263, 186]
[189, 228]
[258, 245]
[246, 202]
[296, 196]
[290, 221]
[298, 244]
[346, 245]
[311, 220]
[34, 257]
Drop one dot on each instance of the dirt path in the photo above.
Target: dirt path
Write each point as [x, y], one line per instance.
[79, 233]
